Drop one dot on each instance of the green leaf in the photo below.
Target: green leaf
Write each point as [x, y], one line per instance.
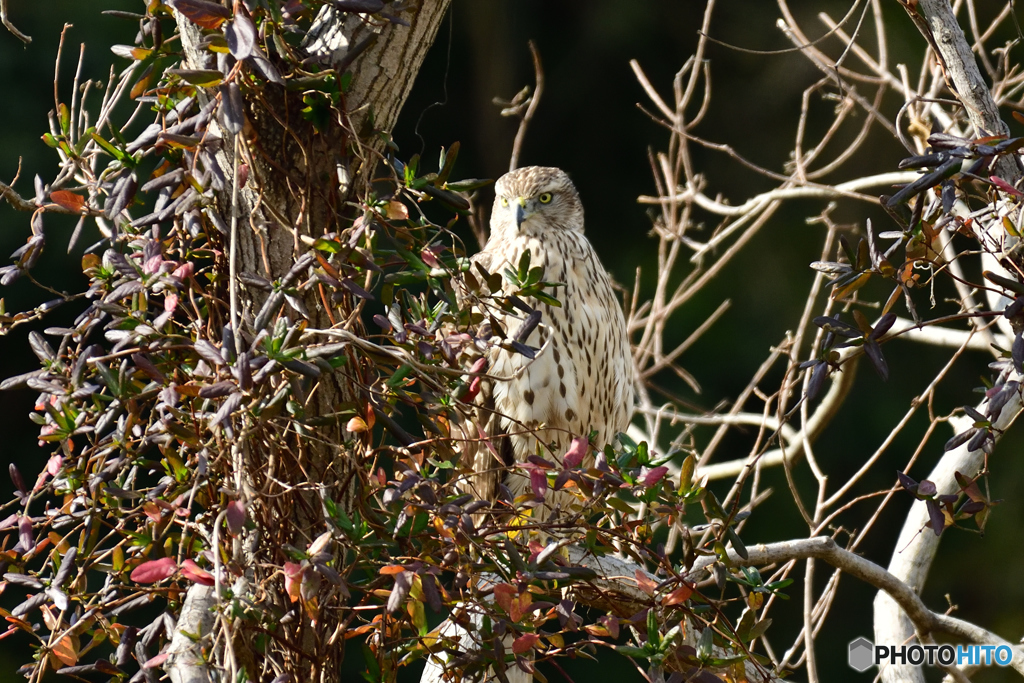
[64, 114]
[205, 78]
[400, 374]
[467, 185]
[524, 266]
[549, 300]
[653, 635]
[447, 162]
[704, 644]
[107, 147]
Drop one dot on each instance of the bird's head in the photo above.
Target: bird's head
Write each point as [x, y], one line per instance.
[536, 198]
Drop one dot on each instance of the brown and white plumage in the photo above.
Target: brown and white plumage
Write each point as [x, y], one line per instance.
[582, 377]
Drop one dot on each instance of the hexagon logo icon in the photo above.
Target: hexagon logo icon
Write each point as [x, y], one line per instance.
[860, 658]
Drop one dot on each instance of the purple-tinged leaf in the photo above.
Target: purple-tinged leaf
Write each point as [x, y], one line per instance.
[152, 371]
[926, 488]
[35, 601]
[230, 405]
[979, 440]
[170, 179]
[208, 352]
[265, 67]
[359, 6]
[403, 584]
[936, 520]
[817, 381]
[25, 536]
[538, 482]
[218, 390]
[58, 597]
[1017, 352]
[540, 462]
[1014, 308]
[270, 309]
[19, 483]
[959, 439]
[67, 565]
[906, 482]
[883, 326]
[523, 349]
[1000, 398]
[974, 414]
[351, 286]
[232, 113]
[874, 353]
[146, 138]
[202, 12]
[23, 580]
[241, 37]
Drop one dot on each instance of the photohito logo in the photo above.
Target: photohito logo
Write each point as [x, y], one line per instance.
[864, 654]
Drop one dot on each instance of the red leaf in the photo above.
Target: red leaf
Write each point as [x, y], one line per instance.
[524, 643]
[154, 570]
[196, 574]
[577, 451]
[538, 482]
[997, 181]
[653, 476]
[236, 517]
[292, 580]
[154, 662]
[68, 200]
[474, 389]
[53, 465]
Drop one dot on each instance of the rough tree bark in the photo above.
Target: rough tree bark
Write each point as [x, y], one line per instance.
[299, 181]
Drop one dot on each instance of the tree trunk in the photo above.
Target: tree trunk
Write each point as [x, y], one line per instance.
[299, 178]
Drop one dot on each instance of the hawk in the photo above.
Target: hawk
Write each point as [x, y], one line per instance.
[581, 378]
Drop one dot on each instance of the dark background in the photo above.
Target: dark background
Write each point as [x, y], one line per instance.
[588, 123]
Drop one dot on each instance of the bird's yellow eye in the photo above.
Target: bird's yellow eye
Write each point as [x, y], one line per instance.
[504, 201]
[544, 198]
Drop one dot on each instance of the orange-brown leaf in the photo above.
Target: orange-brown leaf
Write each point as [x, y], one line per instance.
[678, 596]
[397, 210]
[524, 643]
[68, 200]
[66, 651]
[644, 582]
[202, 13]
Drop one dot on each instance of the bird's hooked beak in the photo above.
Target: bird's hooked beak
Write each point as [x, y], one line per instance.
[520, 211]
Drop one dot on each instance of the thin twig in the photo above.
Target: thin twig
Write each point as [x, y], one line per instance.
[10, 27]
[524, 122]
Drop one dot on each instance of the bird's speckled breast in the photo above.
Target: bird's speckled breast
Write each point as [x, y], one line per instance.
[582, 377]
